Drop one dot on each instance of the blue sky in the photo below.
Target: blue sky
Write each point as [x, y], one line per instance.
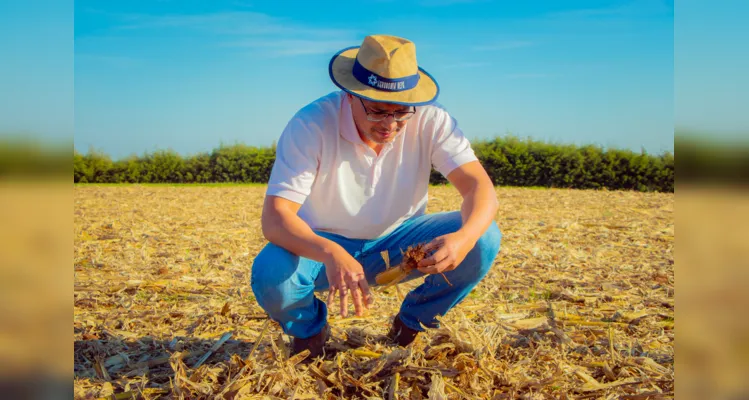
[36, 68]
[189, 75]
[711, 80]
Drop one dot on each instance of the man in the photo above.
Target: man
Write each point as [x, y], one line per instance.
[350, 180]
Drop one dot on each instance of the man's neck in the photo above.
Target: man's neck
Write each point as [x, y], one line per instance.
[377, 147]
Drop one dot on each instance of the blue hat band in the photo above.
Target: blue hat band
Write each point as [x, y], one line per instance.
[378, 82]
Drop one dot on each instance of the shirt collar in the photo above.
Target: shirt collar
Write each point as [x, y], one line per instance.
[347, 127]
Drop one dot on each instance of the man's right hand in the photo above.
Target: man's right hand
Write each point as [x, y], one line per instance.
[346, 276]
[283, 227]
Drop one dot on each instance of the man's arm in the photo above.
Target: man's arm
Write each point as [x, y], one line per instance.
[283, 227]
[479, 198]
[478, 211]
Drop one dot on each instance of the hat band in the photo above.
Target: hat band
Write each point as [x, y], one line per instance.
[379, 82]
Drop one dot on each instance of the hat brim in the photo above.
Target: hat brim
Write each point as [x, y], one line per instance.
[341, 67]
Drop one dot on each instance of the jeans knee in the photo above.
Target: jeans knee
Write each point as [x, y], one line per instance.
[490, 242]
[272, 278]
[487, 248]
[263, 273]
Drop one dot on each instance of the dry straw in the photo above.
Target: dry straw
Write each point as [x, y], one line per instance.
[580, 304]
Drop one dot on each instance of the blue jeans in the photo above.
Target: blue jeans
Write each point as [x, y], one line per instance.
[284, 284]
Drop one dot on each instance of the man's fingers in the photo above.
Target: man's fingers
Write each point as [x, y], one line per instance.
[353, 283]
[436, 243]
[435, 258]
[436, 268]
[430, 246]
[427, 270]
[331, 296]
[337, 287]
[356, 295]
[368, 298]
[344, 300]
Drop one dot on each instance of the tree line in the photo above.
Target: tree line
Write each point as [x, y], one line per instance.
[510, 161]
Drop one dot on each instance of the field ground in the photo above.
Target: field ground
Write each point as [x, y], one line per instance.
[580, 304]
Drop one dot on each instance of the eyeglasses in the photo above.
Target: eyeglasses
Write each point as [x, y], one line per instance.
[399, 116]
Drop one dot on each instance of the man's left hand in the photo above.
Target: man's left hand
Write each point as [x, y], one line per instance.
[449, 252]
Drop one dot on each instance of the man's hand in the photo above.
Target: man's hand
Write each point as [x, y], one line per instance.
[346, 276]
[449, 251]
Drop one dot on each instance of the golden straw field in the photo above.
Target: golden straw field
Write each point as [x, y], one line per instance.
[579, 304]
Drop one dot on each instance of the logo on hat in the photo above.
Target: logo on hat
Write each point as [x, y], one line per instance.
[372, 80]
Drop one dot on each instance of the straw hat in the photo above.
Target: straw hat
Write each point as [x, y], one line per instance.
[383, 68]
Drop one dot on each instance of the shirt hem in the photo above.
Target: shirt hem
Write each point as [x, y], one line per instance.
[287, 194]
[455, 162]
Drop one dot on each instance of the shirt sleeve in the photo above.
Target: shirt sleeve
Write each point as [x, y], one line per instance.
[450, 148]
[296, 164]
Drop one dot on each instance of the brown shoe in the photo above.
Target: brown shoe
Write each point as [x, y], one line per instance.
[400, 333]
[315, 344]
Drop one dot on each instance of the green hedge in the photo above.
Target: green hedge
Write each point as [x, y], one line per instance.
[27, 158]
[509, 161]
[515, 162]
[238, 163]
[704, 159]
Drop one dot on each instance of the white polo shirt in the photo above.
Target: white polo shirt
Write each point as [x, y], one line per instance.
[344, 186]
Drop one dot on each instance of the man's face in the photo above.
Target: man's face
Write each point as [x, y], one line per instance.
[378, 132]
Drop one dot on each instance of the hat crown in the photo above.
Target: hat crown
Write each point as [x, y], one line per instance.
[388, 56]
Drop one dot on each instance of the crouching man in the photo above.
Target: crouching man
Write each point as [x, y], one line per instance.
[350, 180]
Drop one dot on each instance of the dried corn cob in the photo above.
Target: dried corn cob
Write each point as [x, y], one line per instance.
[411, 259]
